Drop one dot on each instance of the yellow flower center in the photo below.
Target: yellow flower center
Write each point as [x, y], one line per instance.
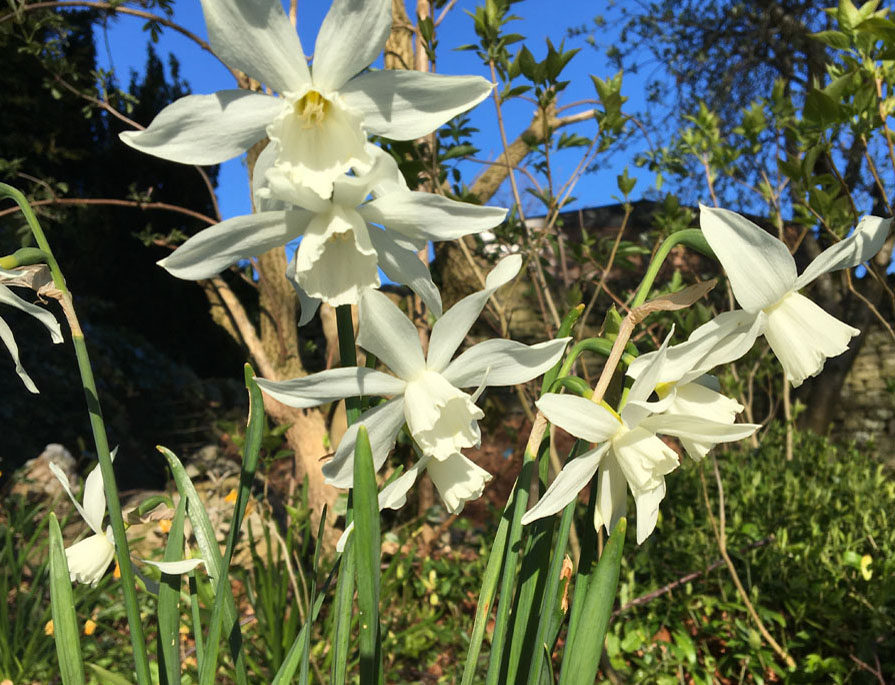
[312, 109]
[662, 390]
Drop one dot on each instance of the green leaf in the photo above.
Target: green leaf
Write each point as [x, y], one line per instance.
[65, 622]
[211, 553]
[105, 677]
[168, 639]
[583, 648]
[835, 39]
[367, 541]
[625, 182]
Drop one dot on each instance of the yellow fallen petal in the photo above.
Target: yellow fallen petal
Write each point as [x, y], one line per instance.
[48, 628]
[89, 627]
[165, 525]
[116, 574]
[231, 496]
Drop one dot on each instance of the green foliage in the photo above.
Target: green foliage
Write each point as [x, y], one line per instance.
[799, 533]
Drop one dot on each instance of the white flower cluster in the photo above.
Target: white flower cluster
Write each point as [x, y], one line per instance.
[319, 179]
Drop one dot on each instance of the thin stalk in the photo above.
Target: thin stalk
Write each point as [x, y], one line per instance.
[690, 237]
[101, 442]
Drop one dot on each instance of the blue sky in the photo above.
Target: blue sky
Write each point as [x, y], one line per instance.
[123, 47]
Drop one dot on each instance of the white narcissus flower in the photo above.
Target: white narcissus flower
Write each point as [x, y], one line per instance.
[425, 390]
[683, 375]
[320, 120]
[89, 558]
[372, 220]
[629, 453]
[42, 315]
[763, 276]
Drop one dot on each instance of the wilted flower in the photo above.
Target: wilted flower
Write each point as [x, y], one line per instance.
[42, 315]
[763, 276]
[425, 390]
[320, 120]
[629, 453]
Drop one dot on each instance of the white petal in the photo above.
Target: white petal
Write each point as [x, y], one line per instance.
[404, 266]
[504, 362]
[94, 499]
[39, 313]
[427, 216]
[175, 567]
[568, 483]
[403, 105]
[803, 335]
[698, 399]
[214, 249]
[612, 494]
[457, 480]
[386, 332]
[647, 504]
[318, 139]
[332, 385]
[10, 342]
[643, 458]
[450, 330]
[722, 340]
[579, 416]
[760, 268]
[698, 428]
[383, 423]
[89, 558]
[442, 419]
[351, 37]
[866, 240]
[336, 260]
[257, 37]
[307, 304]
[651, 374]
[63, 479]
[207, 129]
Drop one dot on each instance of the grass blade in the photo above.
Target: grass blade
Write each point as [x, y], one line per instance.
[65, 623]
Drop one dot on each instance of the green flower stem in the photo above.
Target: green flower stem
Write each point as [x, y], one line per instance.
[691, 237]
[347, 354]
[347, 566]
[101, 442]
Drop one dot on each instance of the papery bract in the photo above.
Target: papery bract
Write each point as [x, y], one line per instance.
[42, 315]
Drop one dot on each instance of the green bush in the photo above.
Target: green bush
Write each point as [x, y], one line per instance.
[812, 542]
